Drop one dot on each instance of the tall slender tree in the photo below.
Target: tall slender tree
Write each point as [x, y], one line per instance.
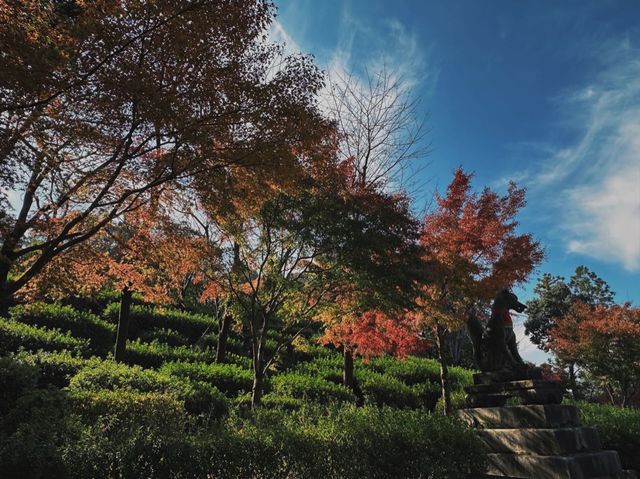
[473, 246]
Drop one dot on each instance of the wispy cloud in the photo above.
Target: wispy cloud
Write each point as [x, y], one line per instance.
[593, 184]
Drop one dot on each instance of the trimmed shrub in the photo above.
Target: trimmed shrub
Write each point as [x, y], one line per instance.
[460, 377]
[163, 335]
[310, 388]
[286, 403]
[144, 318]
[242, 361]
[410, 370]
[155, 354]
[14, 335]
[229, 378]
[198, 397]
[127, 434]
[458, 400]
[16, 378]
[384, 390]
[56, 367]
[351, 443]
[327, 368]
[619, 429]
[33, 434]
[100, 333]
[427, 394]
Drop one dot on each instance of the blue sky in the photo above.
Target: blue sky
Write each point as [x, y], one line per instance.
[544, 93]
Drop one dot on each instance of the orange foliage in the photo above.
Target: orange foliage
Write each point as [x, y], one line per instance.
[604, 341]
[375, 334]
[472, 245]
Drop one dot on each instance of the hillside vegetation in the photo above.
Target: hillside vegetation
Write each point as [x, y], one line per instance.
[169, 410]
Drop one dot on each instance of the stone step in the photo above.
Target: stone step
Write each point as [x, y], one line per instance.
[544, 442]
[512, 417]
[507, 386]
[491, 377]
[524, 392]
[586, 465]
[626, 474]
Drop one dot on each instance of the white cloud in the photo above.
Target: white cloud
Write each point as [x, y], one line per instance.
[593, 184]
[528, 351]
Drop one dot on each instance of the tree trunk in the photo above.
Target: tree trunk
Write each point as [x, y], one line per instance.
[5, 294]
[123, 325]
[223, 334]
[347, 370]
[256, 390]
[444, 370]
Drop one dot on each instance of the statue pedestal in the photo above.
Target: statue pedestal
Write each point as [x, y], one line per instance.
[534, 436]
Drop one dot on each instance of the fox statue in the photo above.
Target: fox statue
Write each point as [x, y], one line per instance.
[494, 347]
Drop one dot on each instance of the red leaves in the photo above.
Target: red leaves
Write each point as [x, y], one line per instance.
[471, 240]
[375, 334]
[604, 341]
[585, 328]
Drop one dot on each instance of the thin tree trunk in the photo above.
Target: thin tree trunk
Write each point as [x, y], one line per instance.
[223, 335]
[5, 294]
[123, 325]
[347, 370]
[444, 370]
[256, 390]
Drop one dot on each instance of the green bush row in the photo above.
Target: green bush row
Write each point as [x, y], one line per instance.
[619, 429]
[144, 318]
[14, 335]
[56, 368]
[198, 397]
[100, 333]
[80, 435]
[310, 388]
[155, 354]
[229, 378]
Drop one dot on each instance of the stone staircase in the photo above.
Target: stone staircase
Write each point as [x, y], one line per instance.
[530, 434]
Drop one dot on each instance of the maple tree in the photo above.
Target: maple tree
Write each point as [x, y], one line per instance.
[375, 333]
[605, 342]
[474, 251]
[146, 251]
[381, 141]
[103, 102]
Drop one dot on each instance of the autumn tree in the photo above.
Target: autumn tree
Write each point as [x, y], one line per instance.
[555, 296]
[474, 249]
[382, 141]
[554, 299]
[145, 251]
[102, 102]
[605, 342]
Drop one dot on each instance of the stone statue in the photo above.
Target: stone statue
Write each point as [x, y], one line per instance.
[494, 347]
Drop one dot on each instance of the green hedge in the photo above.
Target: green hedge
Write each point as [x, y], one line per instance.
[229, 378]
[56, 368]
[155, 354]
[619, 429]
[144, 318]
[327, 368]
[310, 388]
[14, 335]
[198, 396]
[16, 378]
[350, 442]
[82, 324]
[384, 390]
[164, 335]
[128, 434]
